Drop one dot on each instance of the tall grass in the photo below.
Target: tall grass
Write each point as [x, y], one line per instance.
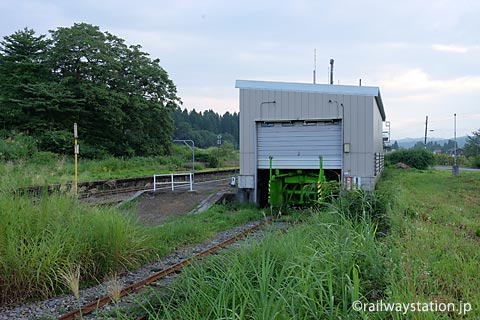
[433, 243]
[315, 271]
[41, 238]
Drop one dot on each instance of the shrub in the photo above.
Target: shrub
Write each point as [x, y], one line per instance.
[447, 160]
[17, 147]
[358, 205]
[56, 141]
[89, 152]
[212, 161]
[44, 157]
[417, 158]
[476, 162]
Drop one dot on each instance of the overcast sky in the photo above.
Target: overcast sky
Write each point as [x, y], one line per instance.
[424, 55]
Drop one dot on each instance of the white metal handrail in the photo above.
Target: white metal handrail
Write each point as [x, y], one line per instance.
[172, 181]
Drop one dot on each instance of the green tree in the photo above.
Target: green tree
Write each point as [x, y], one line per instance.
[204, 127]
[472, 145]
[395, 146]
[448, 146]
[419, 145]
[120, 97]
[24, 74]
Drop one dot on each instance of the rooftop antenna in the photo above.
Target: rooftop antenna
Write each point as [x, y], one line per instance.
[331, 71]
[314, 65]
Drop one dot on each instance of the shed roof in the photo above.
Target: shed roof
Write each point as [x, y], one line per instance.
[310, 87]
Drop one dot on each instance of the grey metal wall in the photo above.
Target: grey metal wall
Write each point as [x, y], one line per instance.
[256, 105]
[362, 123]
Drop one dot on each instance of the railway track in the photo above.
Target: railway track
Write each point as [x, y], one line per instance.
[138, 285]
[99, 188]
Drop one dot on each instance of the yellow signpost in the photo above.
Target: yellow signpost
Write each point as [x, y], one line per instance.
[76, 152]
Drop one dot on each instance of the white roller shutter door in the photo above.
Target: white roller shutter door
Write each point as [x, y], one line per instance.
[298, 145]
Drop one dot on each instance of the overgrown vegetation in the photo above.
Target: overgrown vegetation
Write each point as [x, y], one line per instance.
[447, 160]
[41, 237]
[45, 238]
[315, 271]
[26, 166]
[469, 156]
[416, 158]
[428, 254]
[434, 240]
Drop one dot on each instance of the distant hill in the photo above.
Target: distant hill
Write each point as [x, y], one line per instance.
[408, 143]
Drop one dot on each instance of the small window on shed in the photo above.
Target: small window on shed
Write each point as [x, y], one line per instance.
[310, 123]
[268, 124]
[287, 124]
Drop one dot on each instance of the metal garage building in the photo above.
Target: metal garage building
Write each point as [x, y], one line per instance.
[296, 123]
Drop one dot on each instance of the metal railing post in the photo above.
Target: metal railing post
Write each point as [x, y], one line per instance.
[173, 185]
[191, 182]
[154, 183]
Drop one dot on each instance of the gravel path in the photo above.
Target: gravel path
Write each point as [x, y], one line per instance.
[55, 307]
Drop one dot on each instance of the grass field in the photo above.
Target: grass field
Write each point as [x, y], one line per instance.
[435, 240]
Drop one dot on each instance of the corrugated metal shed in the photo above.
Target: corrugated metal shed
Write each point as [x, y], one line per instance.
[358, 110]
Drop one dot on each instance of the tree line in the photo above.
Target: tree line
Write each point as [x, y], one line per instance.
[204, 128]
[122, 99]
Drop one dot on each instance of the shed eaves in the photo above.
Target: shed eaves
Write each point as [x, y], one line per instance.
[310, 87]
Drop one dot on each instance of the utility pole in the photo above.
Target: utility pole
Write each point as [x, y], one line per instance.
[455, 167]
[426, 126]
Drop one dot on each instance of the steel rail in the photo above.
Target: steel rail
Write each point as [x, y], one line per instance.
[37, 189]
[135, 287]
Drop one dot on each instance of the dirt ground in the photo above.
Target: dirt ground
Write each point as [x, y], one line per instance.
[156, 207]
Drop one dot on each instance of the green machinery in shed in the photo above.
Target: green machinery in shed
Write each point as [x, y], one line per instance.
[295, 187]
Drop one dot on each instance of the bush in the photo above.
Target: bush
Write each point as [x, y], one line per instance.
[417, 158]
[56, 141]
[17, 147]
[44, 157]
[476, 162]
[447, 160]
[212, 161]
[358, 205]
[89, 152]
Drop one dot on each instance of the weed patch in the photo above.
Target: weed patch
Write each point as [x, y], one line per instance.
[433, 243]
[43, 239]
[315, 271]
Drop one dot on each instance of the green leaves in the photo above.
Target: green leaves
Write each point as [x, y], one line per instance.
[120, 97]
[472, 147]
